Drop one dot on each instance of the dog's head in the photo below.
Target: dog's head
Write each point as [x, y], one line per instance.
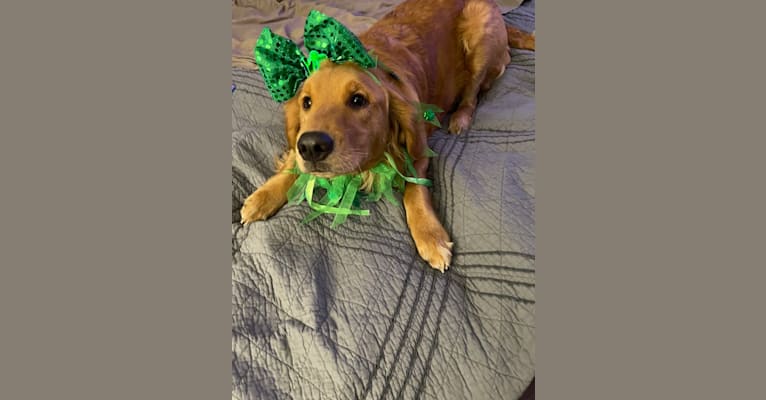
[342, 120]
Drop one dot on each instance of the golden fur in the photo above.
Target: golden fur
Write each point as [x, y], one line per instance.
[442, 52]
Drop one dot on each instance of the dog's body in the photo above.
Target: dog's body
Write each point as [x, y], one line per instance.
[342, 120]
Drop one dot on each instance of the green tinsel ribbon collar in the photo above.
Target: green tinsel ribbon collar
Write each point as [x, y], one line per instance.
[343, 193]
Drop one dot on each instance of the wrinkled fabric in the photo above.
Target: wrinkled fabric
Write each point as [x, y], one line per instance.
[353, 312]
[286, 18]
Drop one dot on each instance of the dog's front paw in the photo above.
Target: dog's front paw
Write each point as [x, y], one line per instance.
[434, 246]
[460, 121]
[259, 206]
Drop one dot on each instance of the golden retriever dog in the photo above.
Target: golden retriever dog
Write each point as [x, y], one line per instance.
[342, 120]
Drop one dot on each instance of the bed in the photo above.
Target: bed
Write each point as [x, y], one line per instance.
[353, 312]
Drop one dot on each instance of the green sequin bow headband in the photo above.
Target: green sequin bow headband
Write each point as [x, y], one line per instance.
[284, 66]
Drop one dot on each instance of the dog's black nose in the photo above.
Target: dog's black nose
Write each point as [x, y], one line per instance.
[315, 146]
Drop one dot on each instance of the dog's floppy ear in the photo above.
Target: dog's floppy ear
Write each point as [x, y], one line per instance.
[292, 121]
[408, 131]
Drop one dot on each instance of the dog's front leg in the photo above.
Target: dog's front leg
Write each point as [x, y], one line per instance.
[431, 239]
[271, 196]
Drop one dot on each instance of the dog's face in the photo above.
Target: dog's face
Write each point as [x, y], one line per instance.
[339, 121]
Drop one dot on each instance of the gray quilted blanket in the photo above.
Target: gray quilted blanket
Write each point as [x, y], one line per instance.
[353, 312]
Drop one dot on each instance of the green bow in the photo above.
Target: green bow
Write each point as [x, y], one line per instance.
[428, 113]
[283, 65]
[342, 192]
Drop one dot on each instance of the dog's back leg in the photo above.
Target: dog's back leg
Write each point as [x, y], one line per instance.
[484, 37]
[519, 39]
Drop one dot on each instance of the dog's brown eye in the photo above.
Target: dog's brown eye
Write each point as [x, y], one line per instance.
[306, 102]
[357, 101]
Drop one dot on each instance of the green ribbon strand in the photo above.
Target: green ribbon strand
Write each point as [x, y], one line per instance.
[428, 113]
[343, 192]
